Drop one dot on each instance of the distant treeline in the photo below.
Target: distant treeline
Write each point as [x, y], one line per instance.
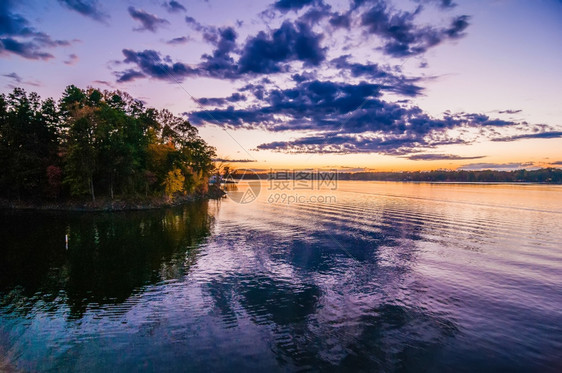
[92, 143]
[544, 175]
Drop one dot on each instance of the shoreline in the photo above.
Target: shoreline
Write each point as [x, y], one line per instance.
[104, 205]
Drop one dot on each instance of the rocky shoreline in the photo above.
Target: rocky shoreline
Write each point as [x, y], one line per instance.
[112, 205]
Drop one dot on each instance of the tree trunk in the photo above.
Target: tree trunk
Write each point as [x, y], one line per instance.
[111, 186]
[92, 189]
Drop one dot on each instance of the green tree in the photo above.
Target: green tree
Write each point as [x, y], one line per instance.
[28, 143]
[81, 152]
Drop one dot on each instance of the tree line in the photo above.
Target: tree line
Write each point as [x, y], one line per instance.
[93, 143]
[543, 175]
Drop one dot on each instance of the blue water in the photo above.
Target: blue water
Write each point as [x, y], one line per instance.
[381, 277]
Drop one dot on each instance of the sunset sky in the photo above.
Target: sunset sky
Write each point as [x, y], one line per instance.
[351, 84]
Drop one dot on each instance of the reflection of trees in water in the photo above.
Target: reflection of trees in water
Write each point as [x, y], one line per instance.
[356, 304]
[347, 296]
[110, 254]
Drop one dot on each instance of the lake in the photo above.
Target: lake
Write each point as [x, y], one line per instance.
[365, 276]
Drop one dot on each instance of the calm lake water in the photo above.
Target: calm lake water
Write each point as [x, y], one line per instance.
[388, 277]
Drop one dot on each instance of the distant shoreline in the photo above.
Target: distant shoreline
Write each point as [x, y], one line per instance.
[105, 205]
[465, 182]
[439, 182]
[540, 176]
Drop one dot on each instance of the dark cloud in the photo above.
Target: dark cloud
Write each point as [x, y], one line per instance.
[258, 90]
[19, 81]
[310, 104]
[174, 7]
[235, 97]
[340, 20]
[149, 21]
[458, 25]
[18, 37]
[299, 78]
[13, 76]
[234, 160]
[443, 4]
[129, 75]
[268, 52]
[275, 50]
[178, 40]
[287, 5]
[103, 82]
[29, 50]
[498, 166]
[316, 14]
[345, 169]
[508, 111]
[194, 23]
[440, 157]
[44, 40]
[87, 8]
[392, 82]
[220, 64]
[538, 135]
[232, 118]
[13, 24]
[557, 163]
[403, 36]
[484, 120]
[326, 105]
[72, 59]
[151, 64]
[357, 69]
[349, 117]
[340, 143]
[263, 54]
[447, 3]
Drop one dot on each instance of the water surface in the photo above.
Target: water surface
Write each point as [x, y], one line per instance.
[388, 277]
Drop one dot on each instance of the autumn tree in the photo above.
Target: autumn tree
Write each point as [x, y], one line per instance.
[96, 142]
